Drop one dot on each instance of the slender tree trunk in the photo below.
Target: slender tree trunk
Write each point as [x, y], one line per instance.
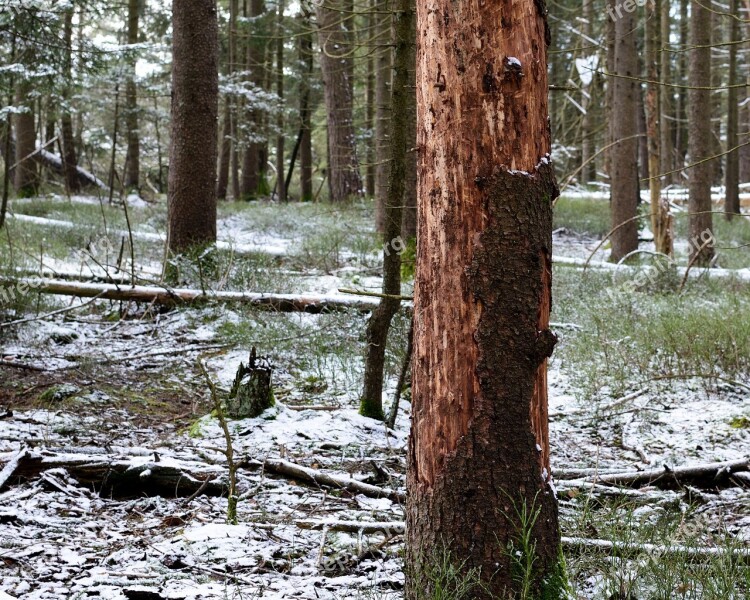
[26, 178]
[68, 145]
[681, 133]
[609, 95]
[661, 221]
[225, 152]
[371, 404]
[335, 43]
[666, 101]
[745, 114]
[699, 143]
[192, 156]
[372, 20]
[643, 166]
[588, 146]
[625, 187]
[305, 113]
[479, 449]
[254, 182]
[280, 141]
[133, 155]
[409, 222]
[732, 181]
[382, 108]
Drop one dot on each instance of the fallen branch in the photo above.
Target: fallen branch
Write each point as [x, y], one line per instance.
[292, 470]
[10, 468]
[309, 303]
[388, 528]
[55, 163]
[704, 475]
[632, 549]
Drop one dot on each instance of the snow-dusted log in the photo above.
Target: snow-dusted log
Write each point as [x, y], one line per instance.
[387, 528]
[632, 549]
[292, 470]
[55, 163]
[124, 476]
[703, 475]
[309, 303]
[11, 467]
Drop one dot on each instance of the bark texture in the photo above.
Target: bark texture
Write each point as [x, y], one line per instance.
[732, 180]
[699, 144]
[70, 161]
[335, 44]
[479, 449]
[305, 112]
[192, 155]
[666, 98]
[383, 40]
[26, 179]
[133, 156]
[624, 122]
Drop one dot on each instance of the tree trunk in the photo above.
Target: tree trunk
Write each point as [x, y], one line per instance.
[383, 43]
[133, 155]
[26, 179]
[661, 221]
[305, 113]
[745, 117]
[409, 221]
[254, 182]
[643, 166]
[280, 141]
[372, 20]
[699, 144]
[69, 159]
[335, 44]
[371, 404]
[666, 100]
[681, 134]
[625, 187]
[479, 449]
[227, 155]
[732, 181]
[195, 89]
[588, 146]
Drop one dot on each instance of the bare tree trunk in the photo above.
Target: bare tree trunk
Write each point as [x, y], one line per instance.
[666, 112]
[335, 44]
[661, 221]
[643, 167]
[732, 181]
[479, 449]
[371, 403]
[195, 90]
[700, 129]
[305, 113]
[133, 155]
[409, 222]
[681, 134]
[609, 95]
[254, 182]
[280, 141]
[26, 178]
[383, 69]
[225, 152]
[372, 20]
[66, 121]
[588, 146]
[625, 188]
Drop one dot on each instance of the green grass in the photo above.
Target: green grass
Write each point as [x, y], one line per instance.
[583, 215]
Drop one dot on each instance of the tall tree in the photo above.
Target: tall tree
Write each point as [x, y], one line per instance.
[68, 144]
[335, 58]
[371, 404]
[666, 98]
[280, 171]
[26, 178]
[227, 142]
[192, 153]
[133, 155]
[661, 222]
[382, 43]
[700, 133]
[305, 110]
[624, 184]
[732, 174]
[479, 449]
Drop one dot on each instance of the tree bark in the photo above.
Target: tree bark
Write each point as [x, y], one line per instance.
[371, 403]
[681, 133]
[69, 158]
[384, 62]
[666, 99]
[26, 179]
[479, 449]
[195, 90]
[335, 44]
[372, 21]
[227, 155]
[625, 187]
[661, 221]
[732, 180]
[409, 221]
[305, 112]
[700, 132]
[133, 154]
[280, 140]
[588, 145]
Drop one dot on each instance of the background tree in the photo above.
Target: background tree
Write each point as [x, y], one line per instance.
[192, 155]
[479, 451]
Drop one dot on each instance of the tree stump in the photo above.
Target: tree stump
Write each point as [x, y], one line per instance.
[251, 392]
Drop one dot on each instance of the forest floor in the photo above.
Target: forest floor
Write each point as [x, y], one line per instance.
[652, 372]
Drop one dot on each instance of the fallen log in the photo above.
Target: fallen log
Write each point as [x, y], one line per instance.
[308, 303]
[387, 528]
[707, 475]
[55, 163]
[292, 470]
[11, 467]
[125, 477]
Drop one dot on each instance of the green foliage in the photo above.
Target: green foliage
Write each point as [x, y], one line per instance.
[583, 215]
[446, 578]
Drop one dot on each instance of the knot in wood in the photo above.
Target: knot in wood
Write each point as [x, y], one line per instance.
[545, 344]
